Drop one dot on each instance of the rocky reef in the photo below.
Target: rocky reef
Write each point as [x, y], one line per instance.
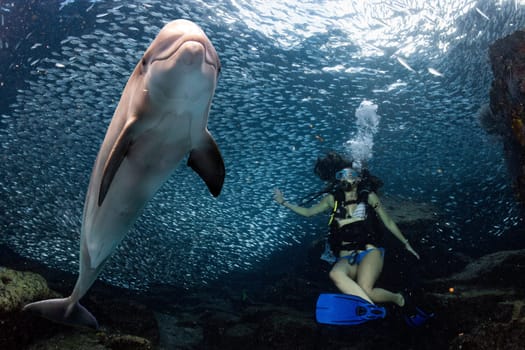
[20, 287]
[16, 289]
[22, 330]
[506, 115]
[479, 307]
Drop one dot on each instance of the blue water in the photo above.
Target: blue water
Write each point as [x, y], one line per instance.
[293, 76]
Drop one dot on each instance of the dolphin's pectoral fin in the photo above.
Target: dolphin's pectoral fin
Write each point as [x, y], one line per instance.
[117, 155]
[206, 160]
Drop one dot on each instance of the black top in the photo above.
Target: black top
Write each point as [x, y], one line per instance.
[357, 234]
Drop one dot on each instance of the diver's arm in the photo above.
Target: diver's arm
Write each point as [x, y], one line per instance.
[374, 201]
[325, 204]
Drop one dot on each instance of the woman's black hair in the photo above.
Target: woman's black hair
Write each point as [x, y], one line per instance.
[369, 181]
[331, 163]
[326, 167]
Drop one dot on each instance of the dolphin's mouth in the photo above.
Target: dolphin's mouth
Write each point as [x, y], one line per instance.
[168, 48]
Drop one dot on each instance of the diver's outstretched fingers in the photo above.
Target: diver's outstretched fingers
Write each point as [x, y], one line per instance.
[278, 196]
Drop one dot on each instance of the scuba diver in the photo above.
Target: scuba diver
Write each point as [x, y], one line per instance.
[354, 238]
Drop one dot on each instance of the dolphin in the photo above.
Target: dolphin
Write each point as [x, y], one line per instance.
[162, 116]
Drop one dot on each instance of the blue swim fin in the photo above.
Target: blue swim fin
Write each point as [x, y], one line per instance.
[418, 318]
[344, 309]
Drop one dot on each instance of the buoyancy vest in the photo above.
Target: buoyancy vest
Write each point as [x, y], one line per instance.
[357, 234]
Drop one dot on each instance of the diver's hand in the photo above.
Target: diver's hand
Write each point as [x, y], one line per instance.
[411, 250]
[278, 196]
[341, 222]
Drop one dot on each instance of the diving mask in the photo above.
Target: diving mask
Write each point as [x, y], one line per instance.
[346, 174]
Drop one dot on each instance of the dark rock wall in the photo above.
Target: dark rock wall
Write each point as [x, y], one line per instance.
[507, 97]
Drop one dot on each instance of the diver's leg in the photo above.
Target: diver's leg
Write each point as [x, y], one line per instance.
[341, 274]
[367, 274]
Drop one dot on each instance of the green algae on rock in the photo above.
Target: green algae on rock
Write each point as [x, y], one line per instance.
[18, 288]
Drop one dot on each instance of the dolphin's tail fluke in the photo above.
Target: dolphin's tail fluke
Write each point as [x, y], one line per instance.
[64, 311]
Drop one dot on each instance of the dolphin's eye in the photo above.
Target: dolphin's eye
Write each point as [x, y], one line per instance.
[144, 65]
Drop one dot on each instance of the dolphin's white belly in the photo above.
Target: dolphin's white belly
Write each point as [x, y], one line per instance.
[152, 158]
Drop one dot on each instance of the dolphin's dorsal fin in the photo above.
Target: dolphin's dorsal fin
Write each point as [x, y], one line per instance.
[206, 160]
[118, 153]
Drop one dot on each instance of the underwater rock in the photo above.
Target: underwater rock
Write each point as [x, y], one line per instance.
[239, 335]
[123, 315]
[474, 317]
[17, 328]
[507, 99]
[481, 307]
[508, 336]
[75, 340]
[88, 340]
[289, 330]
[264, 326]
[496, 270]
[127, 342]
[182, 331]
[18, 288]
[407, 212]
[127, 325]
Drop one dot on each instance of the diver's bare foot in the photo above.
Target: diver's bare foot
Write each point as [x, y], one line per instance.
[400, 300]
